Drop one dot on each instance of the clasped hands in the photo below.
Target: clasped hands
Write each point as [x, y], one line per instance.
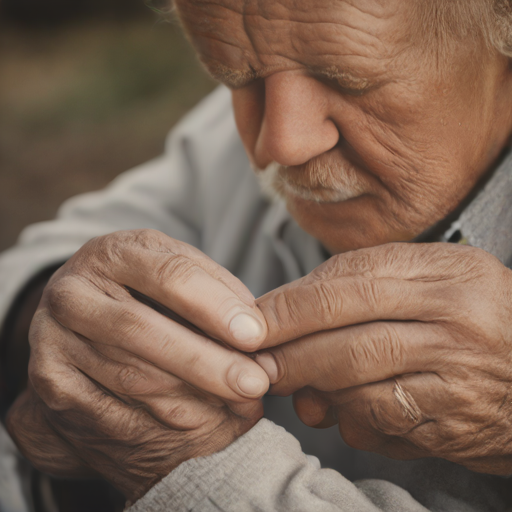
[407, 347]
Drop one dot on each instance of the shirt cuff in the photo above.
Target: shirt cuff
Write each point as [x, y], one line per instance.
[221, 480]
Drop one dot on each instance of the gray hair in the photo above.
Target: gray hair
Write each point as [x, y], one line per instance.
[501, 35]
[444, 20]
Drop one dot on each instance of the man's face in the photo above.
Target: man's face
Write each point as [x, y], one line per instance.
[369, 137]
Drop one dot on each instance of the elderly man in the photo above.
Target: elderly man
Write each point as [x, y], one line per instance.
[372, 123]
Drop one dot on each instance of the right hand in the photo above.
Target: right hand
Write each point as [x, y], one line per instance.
[88, 326]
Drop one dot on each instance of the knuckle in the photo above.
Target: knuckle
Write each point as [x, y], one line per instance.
[130, 381]
[360, 262]
[369, 291]
[287, 311]
[109, 249]
[62, 297]
[53, 393]
[332, 268]
[327, 304]
[195, 363]
[380, 345]
[146, 239]
[132, 327]
[180, 416]
[388, 342]
[39, 334]
[177, 269]
[50, 381]
[99, 251]
[129, 324]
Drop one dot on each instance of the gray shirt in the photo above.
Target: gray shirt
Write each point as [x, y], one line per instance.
[202, 191]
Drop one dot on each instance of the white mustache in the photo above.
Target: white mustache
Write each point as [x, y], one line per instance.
[313, 181]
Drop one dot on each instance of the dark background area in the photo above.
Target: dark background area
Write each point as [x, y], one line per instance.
[88, 89]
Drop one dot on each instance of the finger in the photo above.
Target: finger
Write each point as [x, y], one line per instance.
[115, 440]
[398, 417]
[392, 282]
[122, 443]
[138, 329]
[319, 306]
[449, 419]
[393, 417]
[170, 400]
[313, 409]
[167, 398]
[183, 279]
[355, 355]
[418, 415]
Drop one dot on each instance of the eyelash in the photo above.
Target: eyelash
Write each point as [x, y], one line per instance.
[335, 84]
[331, 82]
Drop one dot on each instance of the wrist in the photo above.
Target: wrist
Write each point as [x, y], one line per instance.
[137, 483]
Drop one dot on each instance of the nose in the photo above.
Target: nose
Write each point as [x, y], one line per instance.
[295, 126]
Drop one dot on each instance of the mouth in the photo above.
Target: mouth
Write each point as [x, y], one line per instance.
[316, 181]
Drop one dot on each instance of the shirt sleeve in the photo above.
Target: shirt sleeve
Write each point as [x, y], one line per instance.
[166, 194]
[266, 470]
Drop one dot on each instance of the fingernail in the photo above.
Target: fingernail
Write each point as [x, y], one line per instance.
[245, 328]
[268, 363]
[251, 385]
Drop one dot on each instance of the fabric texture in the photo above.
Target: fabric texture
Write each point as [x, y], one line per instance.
[203, 192]
[486, 222]
[265, 470]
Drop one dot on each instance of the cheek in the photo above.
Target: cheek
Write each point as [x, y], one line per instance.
[249, 108]
[416, 159]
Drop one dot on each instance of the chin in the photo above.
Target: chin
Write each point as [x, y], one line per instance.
[346, 225]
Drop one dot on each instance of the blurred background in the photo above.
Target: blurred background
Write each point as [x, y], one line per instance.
[88, 89]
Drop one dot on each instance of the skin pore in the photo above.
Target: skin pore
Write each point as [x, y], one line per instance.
[370, 136]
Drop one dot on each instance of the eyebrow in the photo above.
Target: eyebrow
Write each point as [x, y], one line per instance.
[345, 79]
[234, 78]
[237, 79]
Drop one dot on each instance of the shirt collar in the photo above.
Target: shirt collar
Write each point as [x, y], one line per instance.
[487, 221]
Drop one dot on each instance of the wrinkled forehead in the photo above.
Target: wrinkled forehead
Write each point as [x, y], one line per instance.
[254, 34]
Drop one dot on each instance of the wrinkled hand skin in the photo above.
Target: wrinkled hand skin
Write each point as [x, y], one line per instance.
[118, 390]
[95, 434]
[407, 346]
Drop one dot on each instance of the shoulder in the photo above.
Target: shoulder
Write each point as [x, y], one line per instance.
[211, 118]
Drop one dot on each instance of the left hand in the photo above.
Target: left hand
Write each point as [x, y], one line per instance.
[79, 427]
[407, 346]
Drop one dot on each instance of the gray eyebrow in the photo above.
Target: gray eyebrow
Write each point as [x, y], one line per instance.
[344, 78]
[236, 78]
